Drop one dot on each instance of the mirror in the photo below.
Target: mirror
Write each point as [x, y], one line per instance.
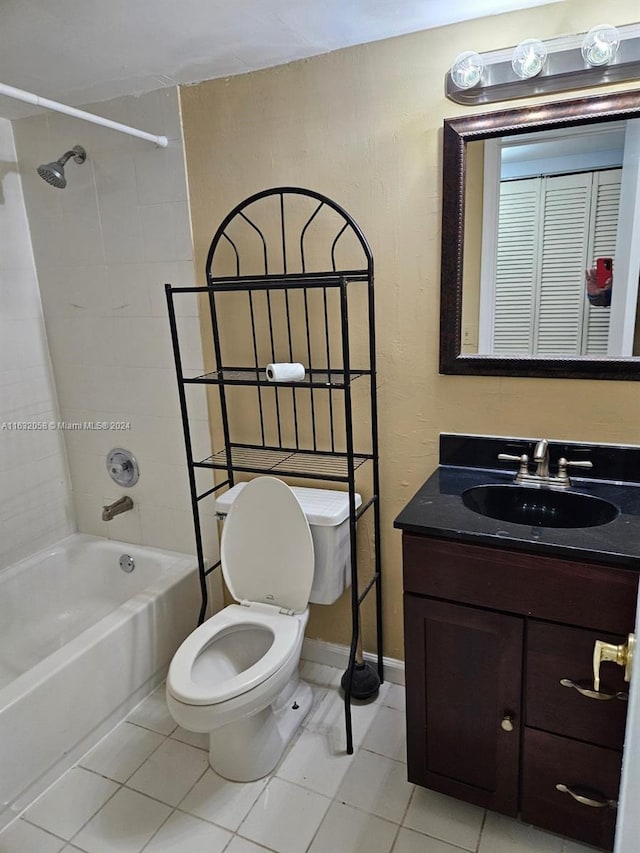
[541, 241]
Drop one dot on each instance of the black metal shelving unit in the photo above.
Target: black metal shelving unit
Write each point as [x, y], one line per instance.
[290, 279]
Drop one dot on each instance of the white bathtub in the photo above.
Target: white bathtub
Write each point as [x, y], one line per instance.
[81, 642]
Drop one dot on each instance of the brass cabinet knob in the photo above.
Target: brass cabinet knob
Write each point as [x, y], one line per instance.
[507, 723]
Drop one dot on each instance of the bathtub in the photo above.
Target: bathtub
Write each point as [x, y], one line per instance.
[81, 642]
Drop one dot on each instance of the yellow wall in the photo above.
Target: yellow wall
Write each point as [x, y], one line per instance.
[363, 126]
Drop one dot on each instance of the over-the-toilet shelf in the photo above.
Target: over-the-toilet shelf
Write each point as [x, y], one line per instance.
[290, 280]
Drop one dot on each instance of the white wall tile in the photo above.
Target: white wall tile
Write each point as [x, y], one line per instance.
[104, 248]
[74, 291]
[165, 231]
[35, 499]
[161, 177]
[128, 290]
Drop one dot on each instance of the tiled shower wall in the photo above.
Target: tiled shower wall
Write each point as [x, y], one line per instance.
[35, 495]
[104, 247]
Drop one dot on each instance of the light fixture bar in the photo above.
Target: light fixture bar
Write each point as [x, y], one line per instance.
[564, 70]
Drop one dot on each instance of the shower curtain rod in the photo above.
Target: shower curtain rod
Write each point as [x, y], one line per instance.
[30, 98]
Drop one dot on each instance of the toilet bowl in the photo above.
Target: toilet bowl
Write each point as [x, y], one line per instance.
[236, 676]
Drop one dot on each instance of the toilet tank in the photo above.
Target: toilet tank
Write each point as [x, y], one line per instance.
[327, 512]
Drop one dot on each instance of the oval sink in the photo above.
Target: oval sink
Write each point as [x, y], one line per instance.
[539, 507]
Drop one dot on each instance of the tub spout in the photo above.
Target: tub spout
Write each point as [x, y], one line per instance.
[123, 504]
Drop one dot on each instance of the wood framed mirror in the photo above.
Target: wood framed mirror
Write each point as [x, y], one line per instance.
[539, 203]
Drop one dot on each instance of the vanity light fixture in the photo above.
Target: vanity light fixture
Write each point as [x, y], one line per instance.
[600, 45]
[605, 54]
[466, 71]
[529, 58]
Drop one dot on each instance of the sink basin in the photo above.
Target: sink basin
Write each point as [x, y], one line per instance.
[539, 507]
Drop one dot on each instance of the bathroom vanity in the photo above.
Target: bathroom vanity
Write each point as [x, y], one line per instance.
[501, 619]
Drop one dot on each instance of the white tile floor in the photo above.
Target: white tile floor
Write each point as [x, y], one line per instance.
[147, 786]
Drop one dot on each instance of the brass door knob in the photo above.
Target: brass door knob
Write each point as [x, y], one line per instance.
[622, 655]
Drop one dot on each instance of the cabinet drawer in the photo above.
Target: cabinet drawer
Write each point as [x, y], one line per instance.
[549, 760]
[557, 590]
[556, 653]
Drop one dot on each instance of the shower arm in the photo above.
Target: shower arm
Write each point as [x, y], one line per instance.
[67, 156]
[36, 100]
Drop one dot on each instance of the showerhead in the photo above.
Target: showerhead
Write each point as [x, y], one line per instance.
[53, 173]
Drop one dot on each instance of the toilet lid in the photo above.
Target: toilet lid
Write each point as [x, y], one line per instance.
[266, 549]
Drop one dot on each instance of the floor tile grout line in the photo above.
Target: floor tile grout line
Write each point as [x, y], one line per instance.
[37, 826]
[327, 692]
[148, 842]
[324, 817]
[436, 837]
[175, 808]
[93, 814]
[165, 738]
[23, 816]
[244, 838]
[404, 815]
[370, 814]
[482, 826]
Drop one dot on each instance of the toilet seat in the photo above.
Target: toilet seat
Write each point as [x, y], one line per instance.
[266, 549]
[234, 618]
[267, 560]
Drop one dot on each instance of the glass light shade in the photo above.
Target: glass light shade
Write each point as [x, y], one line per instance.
[466, 71]
[529, 58]
[600, 45]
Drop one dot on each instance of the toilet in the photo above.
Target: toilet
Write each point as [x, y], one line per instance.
[236, 676]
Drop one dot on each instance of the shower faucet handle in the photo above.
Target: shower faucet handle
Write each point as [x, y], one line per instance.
[122, 467]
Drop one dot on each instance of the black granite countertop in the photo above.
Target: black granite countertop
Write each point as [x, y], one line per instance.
[437, 510]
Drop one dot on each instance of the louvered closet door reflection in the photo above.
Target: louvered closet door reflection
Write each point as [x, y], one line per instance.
[551, 229]
[604, 229]
[516, 267]
[563, 260]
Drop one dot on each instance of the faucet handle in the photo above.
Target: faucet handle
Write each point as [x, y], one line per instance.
[523, 460]
[563, 464]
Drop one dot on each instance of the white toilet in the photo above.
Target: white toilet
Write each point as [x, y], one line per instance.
[236, 676]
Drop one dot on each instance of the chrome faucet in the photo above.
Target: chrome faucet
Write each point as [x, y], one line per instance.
[123, 504]
[542, 477]
[541, 457]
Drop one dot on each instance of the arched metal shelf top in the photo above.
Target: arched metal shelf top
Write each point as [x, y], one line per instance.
[266, 243]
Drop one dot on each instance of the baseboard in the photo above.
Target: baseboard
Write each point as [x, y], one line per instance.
[333, 654]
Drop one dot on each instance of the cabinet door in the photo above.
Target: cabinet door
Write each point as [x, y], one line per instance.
[463, 675]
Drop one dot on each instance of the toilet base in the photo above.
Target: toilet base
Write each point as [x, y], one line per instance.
[248, 749]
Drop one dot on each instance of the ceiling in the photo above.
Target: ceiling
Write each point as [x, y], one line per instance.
[84, 51]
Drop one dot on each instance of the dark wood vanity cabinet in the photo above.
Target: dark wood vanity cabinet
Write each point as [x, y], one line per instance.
[498, 646]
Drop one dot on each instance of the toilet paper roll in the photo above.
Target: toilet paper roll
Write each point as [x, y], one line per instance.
[285, 371]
